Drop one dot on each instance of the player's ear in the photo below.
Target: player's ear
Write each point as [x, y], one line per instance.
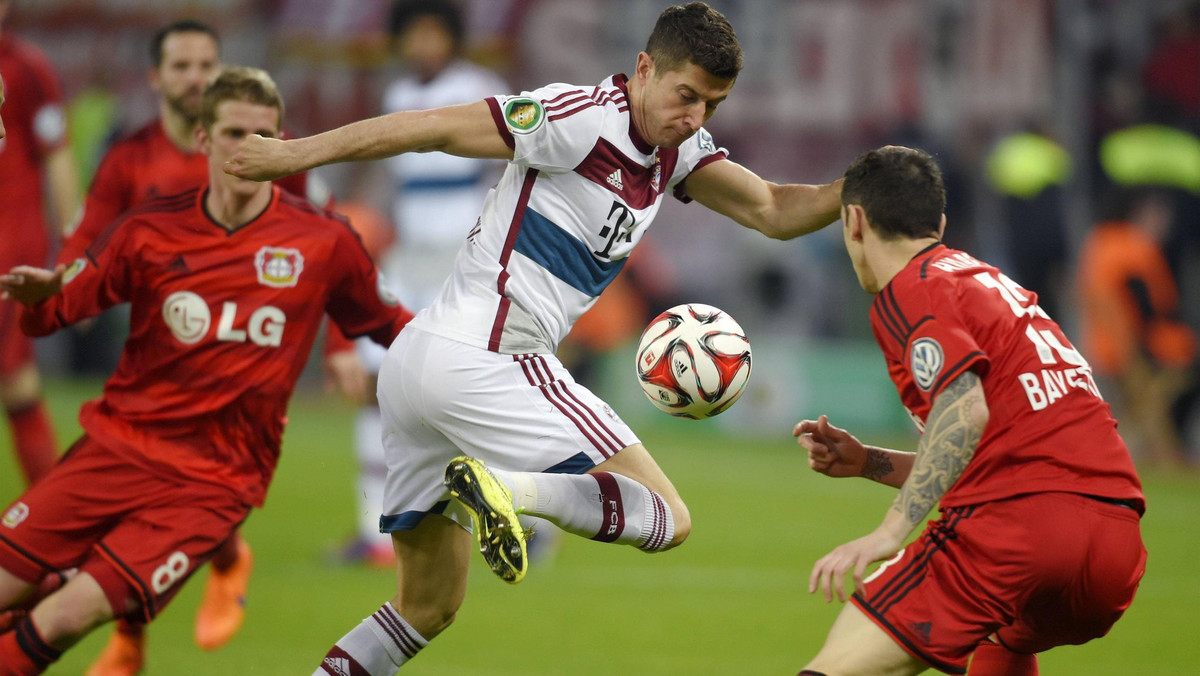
[942, 227]
[855, 220]
[644, 65]
[154, 80]
[203, 142]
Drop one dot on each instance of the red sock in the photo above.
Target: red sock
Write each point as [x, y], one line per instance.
[992, 659]
[226, 555]
[33, 437]
[24, 653]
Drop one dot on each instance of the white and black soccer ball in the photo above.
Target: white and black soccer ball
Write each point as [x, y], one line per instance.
[693, 361]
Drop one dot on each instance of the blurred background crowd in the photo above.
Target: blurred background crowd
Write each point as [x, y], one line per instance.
[1069, 132]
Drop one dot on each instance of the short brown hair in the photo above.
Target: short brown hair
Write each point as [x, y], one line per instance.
[698, 34]
[239, 83]
[182, 26]
[900, 190]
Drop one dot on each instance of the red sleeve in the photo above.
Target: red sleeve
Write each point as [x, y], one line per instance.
[107, 198]
[90, 286]
[940, 347]
[359, 302]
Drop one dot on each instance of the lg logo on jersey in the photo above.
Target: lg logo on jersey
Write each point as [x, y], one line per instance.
[189, 318]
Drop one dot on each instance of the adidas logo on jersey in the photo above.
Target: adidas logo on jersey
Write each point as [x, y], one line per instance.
[337, 665]
[178, 265]
[614, 179]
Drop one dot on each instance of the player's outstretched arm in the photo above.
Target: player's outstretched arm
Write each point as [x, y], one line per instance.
[952, 433]
[834, 452]
[467, 130]
[29, 285]
[775, 210]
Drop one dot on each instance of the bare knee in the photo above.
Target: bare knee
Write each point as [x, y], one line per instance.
[682, 522]
[70, 613]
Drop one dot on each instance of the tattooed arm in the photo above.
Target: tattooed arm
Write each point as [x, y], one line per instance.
[952, 433]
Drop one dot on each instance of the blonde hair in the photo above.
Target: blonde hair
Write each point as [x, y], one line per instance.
[239, 83]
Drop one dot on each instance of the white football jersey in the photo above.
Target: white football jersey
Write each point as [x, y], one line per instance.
[581, 190]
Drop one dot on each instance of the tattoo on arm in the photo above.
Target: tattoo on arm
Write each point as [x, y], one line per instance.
[878, 465]
[950, 439]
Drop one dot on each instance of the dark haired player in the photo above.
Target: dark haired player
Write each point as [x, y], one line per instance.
[476, 373]
[1037, 544]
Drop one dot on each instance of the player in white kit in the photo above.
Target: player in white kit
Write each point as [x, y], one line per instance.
[475, 373]
[436, 201]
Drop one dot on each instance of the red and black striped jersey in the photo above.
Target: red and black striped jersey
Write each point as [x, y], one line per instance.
[221, 325]
[1049, 429]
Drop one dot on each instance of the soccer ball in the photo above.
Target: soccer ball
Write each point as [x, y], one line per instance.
[693, 361]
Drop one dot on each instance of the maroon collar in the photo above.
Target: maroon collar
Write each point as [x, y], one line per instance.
[622, 82]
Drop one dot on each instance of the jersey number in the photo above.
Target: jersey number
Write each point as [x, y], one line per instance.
[170, 572]
[1049, 348]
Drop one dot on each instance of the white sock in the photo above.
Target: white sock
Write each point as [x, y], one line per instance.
[378, 646]
[602, 506]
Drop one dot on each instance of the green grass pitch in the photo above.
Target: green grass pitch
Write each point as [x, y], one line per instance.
[731, 601]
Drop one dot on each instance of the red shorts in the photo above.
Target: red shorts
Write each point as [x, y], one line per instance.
[1039, 571]
[138, 534]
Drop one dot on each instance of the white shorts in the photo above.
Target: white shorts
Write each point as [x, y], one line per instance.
[441, 398]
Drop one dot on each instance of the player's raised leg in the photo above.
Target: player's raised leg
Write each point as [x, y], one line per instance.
[856, 646]
[625, 499]
[557, 450]
[431, 583]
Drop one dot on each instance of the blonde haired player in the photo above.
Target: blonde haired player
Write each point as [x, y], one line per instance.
[228, 283]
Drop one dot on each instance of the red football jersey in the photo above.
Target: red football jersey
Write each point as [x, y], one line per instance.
[221, 325]
[145, 165]
[36, 126]
[1049, 430]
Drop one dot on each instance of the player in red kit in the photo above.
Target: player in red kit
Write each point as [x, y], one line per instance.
[1017, 449]
[34, 158]
[159, 159]
[228, 284]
